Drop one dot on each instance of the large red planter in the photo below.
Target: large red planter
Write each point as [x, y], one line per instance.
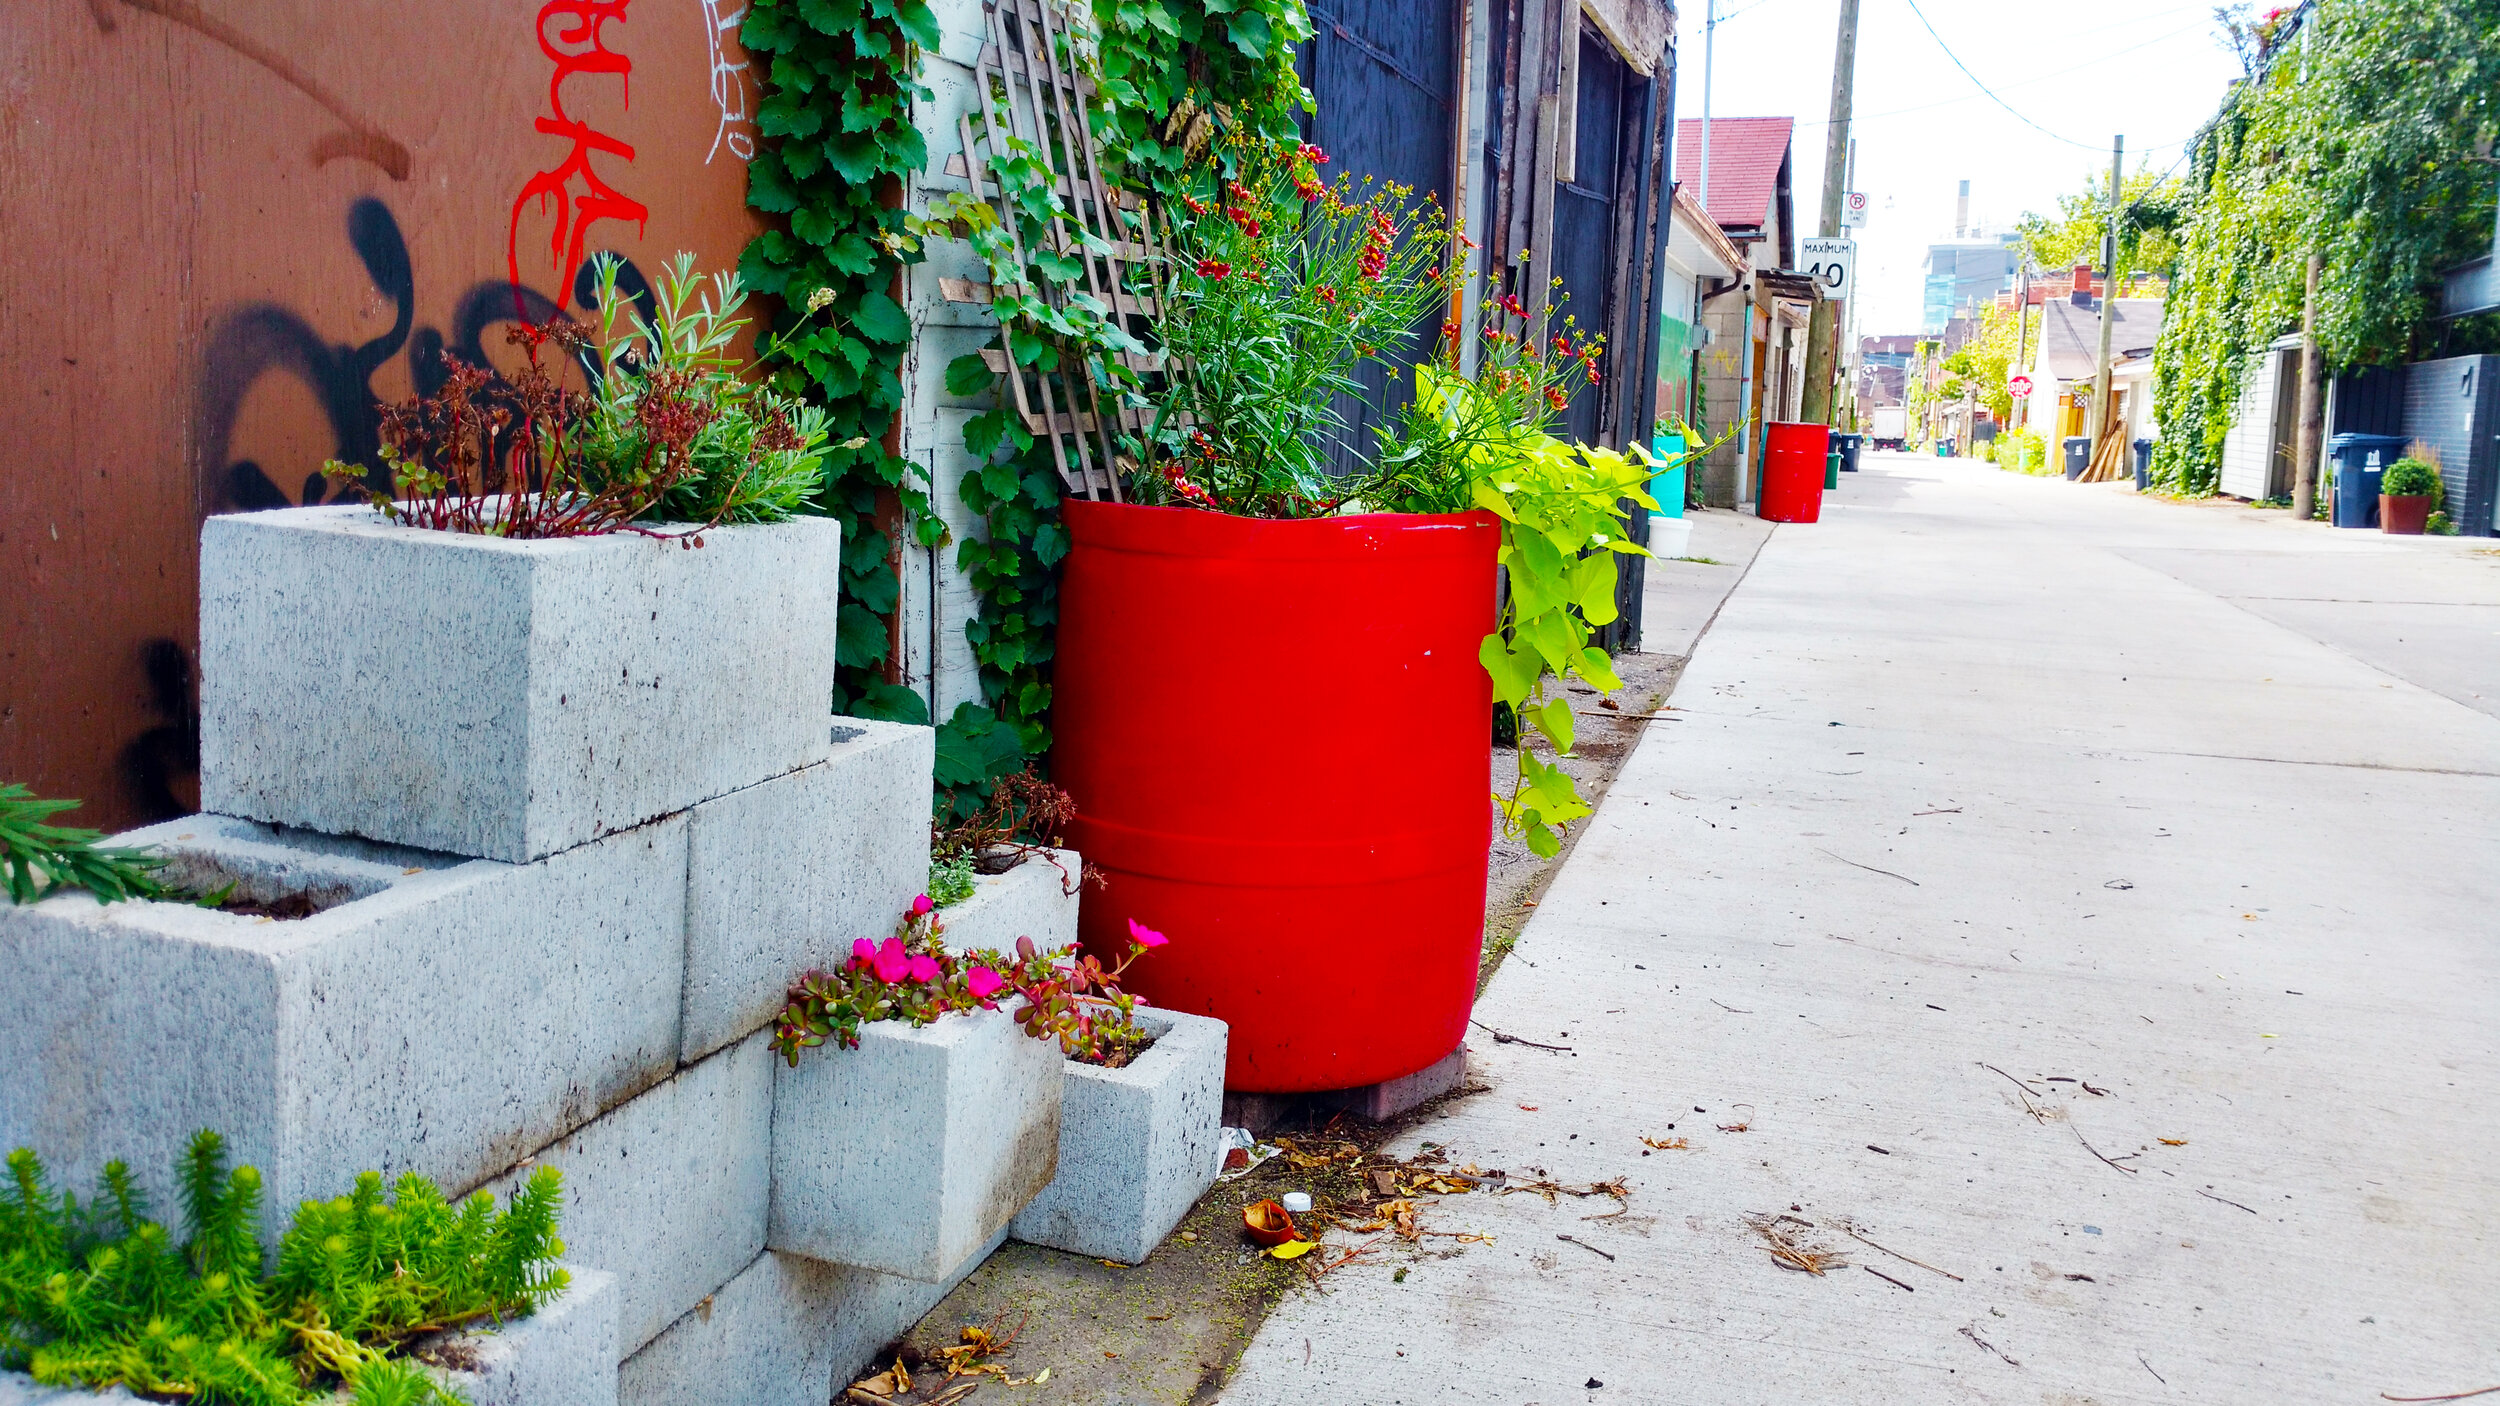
[1277, 736]
[1793, 457]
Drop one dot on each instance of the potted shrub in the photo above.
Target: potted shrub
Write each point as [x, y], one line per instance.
[909, 1148]
[516, 647]
[1275, 681]
[2409, 493]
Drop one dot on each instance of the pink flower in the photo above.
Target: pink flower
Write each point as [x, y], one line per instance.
[1146, 936]
[924, 968]
[891, 962]
[863, 952]
[921, 905]
[983, 983]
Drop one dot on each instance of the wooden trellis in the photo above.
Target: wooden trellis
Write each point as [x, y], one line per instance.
[1035, 101]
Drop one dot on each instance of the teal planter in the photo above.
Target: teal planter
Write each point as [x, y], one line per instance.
[1667, 485]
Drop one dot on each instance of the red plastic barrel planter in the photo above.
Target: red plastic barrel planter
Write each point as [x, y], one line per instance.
[1277, 736]
[1792, 471]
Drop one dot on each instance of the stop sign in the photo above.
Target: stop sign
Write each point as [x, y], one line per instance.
[2019, 383]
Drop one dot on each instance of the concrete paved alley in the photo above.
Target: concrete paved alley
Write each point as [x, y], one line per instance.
[2091, 901]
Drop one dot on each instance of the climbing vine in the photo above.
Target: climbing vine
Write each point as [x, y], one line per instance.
[838, 80]
[2356, 136]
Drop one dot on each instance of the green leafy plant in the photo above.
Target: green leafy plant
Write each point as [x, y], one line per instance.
[667, 431]
[2355, 142]
[837, 80]
[37, 858]
[2413, 478]
[1281, 287]
[951, 879]
[757, 454]
[97, 1295]
[913, 977]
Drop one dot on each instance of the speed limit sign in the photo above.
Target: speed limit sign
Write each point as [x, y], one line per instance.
[1830, 261]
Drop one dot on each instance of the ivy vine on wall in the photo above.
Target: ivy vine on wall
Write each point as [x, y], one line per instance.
[2357, 139]
[838, 79]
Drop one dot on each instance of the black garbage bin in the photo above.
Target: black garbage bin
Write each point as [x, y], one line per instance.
[2359, 460]
[2143, 465]
[2078, 455]
[1849, 445]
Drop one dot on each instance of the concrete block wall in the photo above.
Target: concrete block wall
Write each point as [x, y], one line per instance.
[505, 699]
[1035, 899]
[601, 1007]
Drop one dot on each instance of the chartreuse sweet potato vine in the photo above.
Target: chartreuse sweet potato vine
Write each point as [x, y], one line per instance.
[98, 1295]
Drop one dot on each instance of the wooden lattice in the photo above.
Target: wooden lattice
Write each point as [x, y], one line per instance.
[1033, 93]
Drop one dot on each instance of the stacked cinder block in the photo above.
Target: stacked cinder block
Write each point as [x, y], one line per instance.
[571, 815]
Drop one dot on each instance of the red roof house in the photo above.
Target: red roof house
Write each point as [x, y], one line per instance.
[1749, 177]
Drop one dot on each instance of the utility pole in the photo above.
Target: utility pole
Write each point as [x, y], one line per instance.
[2101, 425]
[2312, 400]
[1709, 42]
[2022, 332]
[1822, 330]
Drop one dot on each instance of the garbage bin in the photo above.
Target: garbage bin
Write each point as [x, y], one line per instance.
[1831, 468]
[2078, 455]
[1850, 444]
[1792, 472]
[2143, 465]
[1944, 449]
[2359, 460]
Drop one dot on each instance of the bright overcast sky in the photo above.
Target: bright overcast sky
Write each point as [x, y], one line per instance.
[2151, 69]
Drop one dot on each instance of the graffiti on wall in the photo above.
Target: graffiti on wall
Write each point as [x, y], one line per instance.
[362, 140]
[260, 339]
[576, 42]
[729, 83]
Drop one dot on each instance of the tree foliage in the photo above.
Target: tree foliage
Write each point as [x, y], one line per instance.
[2356, 137]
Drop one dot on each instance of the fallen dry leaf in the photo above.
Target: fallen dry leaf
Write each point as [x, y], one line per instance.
[2174, 1142]
[1673, 1144]
[1290, 1250]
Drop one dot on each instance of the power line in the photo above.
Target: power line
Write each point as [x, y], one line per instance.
[1984, 88]
[2025, 83]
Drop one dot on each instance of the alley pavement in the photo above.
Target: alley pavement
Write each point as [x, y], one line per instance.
[2066, 921]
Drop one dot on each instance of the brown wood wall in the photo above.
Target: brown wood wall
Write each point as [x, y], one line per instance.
[229, 231]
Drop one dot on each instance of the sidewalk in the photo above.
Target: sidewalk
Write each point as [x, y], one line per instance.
[2054, 893]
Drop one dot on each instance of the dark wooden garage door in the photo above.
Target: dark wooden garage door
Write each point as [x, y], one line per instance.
[1385, 74]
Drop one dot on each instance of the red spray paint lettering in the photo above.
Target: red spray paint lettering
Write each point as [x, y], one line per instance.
[577, 47]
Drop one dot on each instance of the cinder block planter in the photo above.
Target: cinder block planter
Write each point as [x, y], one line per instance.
[787, 1331]
[670, 1190]
[445, 1017]
[782, 876]
[1036, 899]
[911, 1153]
[562, 1355]
[1137, 1145]
[498, 698]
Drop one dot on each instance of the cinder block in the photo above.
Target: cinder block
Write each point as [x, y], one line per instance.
[446, 1019]
[1036, 899]
[669, 1191]
[912, 1152]
[1137, 1145]
[788, 1331]
[498, 698]
[562, 1355]
[783, 876]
